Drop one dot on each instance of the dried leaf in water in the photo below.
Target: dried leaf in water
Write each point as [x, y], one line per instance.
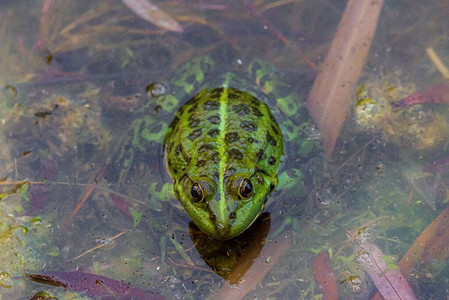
[332, 91]
[391, 284]
[96, 286]
[435, 94]
[325, 276]
[151, 13]
[415, 252]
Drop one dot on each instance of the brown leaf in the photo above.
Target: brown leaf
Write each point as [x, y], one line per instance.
[332, 91]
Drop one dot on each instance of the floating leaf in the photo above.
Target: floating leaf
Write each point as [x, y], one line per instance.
[151, 13]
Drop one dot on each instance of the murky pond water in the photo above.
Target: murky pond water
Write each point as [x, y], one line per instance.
[88, 91]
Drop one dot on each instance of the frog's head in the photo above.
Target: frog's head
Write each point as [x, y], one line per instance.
[226, 207]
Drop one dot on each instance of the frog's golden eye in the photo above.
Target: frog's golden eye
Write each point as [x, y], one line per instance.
[197, 193]
[246, 189]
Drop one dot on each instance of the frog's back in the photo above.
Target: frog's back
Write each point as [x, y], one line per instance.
[221, 131]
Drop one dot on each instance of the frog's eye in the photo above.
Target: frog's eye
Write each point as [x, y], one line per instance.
[197, 193]
[246, 189]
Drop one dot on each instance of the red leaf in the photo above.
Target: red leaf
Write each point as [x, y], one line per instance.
[96, 286]
[325, 276]
[435, 94]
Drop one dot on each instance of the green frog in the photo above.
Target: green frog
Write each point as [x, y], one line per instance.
[224, 146]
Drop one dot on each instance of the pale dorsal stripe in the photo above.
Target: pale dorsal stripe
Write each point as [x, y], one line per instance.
[222, 150]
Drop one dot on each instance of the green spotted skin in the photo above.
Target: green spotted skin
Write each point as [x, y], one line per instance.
[221, 140]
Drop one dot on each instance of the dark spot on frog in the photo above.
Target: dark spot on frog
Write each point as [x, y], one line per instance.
[260, 155]
[194, 122]
[211, 105]
[215, 157]
[214, 119]
[231, 137]
[235, 154]
[271, 140]
[187, 158]
[234, 94]
[255, 102]
[174, 122]
[248, 126]
[195, 134]
[178, 149]
[241, 109]
[206, 147]
[214, 132]
[182, 109]
[175, 131]
[232, 215]
[216, 93]
[275, 129]
[219, 90]
[200, 163]
[229, 172]
[271, 160]
[256, 111]
[212, 217]
[193, 108]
